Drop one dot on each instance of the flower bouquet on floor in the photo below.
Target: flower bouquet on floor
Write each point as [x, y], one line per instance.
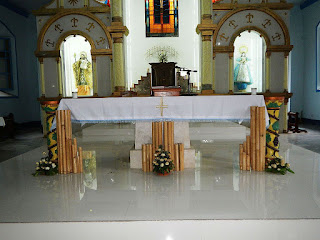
[278, 165]
[162, 163]
[45, 167]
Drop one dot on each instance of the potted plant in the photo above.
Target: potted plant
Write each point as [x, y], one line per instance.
[45, 167]
[162, 163]
[278, 165]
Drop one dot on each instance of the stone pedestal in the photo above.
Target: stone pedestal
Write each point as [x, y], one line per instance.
[143, 135]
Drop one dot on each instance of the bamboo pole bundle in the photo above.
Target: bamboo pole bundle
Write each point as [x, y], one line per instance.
[253, 138]
[64, 143]
[262, 138]
[160, 132]
[144, 158]
[181, 156]
[59, 141]
[165, 136]
[154, 136]
[258, 155]
[248, 160]
[241, 156]
[176, 157]
[151, 155]
[244, 161]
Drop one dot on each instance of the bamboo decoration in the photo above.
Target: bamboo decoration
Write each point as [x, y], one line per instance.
[70, 157]
[252, 151]
[151, 155]
[176, 157]
[241, 156]
[165, 136]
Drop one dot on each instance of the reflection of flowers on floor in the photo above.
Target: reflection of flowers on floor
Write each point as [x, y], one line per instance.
[90, 169]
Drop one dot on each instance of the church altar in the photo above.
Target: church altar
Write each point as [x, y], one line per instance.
[187, 109]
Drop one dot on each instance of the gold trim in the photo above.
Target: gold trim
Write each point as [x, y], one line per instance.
[267, 11]
[66, 13]
[53, 11]
[47, 54]
[101, 52]
[232, 6]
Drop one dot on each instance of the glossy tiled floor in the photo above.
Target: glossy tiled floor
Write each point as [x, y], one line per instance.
[110, 191]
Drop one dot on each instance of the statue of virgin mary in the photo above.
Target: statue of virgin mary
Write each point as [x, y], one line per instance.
[242, 75]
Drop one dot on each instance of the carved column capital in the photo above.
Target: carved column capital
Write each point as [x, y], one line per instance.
[206, 27]
[117, 30]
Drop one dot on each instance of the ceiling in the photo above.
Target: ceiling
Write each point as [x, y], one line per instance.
[25, 7]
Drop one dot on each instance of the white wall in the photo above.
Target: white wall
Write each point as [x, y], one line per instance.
[136, 44]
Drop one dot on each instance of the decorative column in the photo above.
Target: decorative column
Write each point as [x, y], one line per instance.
[213, 73]
[206, 28]
[231, 83]
[268, 55]
[50, 108]
[59, 77]
[117, 30]
[273, 106]
[42, 82]
[95, 79]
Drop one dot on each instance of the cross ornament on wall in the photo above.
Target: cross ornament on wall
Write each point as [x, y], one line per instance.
[162, 106]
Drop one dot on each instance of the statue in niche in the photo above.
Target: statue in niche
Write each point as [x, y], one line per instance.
[242, 75]
[82, 70]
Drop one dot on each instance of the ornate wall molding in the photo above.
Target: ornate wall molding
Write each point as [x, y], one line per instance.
[75, 21]
[264, 21]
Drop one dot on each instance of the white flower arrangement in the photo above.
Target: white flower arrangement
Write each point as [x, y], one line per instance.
[162, 53]
[162, 164]
[45, 167]
[278, 165]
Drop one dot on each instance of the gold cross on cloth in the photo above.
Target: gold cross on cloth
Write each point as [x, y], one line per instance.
[162, 106]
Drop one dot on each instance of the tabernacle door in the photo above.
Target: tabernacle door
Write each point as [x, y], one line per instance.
[163, 74]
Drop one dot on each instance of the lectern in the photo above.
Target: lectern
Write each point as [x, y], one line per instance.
[163, 74]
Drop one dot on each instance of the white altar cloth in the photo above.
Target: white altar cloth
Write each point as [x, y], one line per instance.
[183, 108]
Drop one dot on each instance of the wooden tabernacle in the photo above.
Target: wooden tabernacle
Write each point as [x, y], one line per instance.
[69, 155]
[253, 151]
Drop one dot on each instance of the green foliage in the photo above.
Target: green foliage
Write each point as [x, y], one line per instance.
[278, 165]
[162, 162]
[45, 167]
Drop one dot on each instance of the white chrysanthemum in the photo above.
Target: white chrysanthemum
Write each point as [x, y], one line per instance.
[167, 163]
[161, 160]
[162, 154]
[37, 168]
[54, 165]
[161, 165]
[45, 162]
[277, 163]
[274, 165]
[269, 166]
[156, 164]
[155, 154]
[37, 163]
[278, 169]
[288, 164]
[50, 162]
[47, 168]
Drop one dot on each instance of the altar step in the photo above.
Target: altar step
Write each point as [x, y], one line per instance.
[166, 230]
[214, 131]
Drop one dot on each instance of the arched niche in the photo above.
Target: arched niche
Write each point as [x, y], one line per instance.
[267, 21]
[77, 20]
[76, 65]
[249, 61]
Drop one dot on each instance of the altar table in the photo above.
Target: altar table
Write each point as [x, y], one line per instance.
[182, 108]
